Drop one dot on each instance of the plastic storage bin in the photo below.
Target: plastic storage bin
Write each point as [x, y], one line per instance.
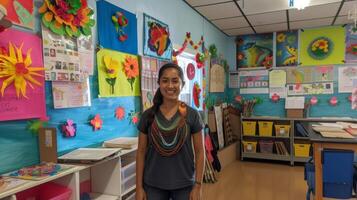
[265, 128]
[282, 130]
[128, 170]
[47, 191]
[128, 183]
[301, 150]
[249, 146]
[249, 127]
[266, 146]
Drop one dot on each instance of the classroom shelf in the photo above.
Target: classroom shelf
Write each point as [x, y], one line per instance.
[301, 159]
[266, 156]
[258, 136]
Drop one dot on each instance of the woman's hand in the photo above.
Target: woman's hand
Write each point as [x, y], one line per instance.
[196, 192]
[140, 194]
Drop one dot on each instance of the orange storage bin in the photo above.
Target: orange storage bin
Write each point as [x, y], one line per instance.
[249, 127]
[265, 128]
[282, 130]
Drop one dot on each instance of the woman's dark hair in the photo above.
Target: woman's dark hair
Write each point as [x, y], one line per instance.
[158, 98]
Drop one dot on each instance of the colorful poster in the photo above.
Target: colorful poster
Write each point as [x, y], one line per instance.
[20, 12]
[287, 48]
[351, 44]
[254, 82]
[23, 85]
[118, 74]
[354, 95]
[86, 54]
[117, 28]
[322, 46]
[255, 50]
[322, 74]
[70, 94]
[61, 58]
[157, 41]
[345, 79]
[310, 88]
[149, 76]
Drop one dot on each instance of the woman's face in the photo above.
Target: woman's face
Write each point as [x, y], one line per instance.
[170, 84]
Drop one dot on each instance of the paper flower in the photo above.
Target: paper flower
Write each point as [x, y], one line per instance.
[112, 70]
[14, 68]
[314, 100]
[67, 17]
[200, 60]
[333, 101]
[196, 91]
[320, 48]
[120, 113]
[133, 117]
[238, 99]
[281, 37]
[131, 69]
[69, 128]
[96, 122]
[275, 97]
[120, 21]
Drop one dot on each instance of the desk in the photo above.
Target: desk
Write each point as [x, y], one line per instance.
[320, 143]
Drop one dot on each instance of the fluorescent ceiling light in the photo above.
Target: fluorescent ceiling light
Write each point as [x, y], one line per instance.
[299, 4]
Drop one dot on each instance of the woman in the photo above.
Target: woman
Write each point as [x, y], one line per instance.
[166, 166]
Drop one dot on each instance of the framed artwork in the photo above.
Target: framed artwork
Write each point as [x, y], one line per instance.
[287, 48]
[157, 41]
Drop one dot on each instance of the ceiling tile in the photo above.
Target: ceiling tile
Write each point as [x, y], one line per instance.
[220, 11]
[204, 2]
[349, 5]
[343, 20]
[230, 23]
[239, 31]
[311, 23]
[271, 28]
[314, 12]
[267, 18]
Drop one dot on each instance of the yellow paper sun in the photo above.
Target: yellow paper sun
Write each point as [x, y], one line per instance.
[15, 68]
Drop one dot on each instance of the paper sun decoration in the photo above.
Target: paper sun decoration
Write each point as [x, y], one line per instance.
[69, 129]
[67, 17]
[17, 69]
[96, 122]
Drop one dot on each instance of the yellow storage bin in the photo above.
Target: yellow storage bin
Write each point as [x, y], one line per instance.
[265, 128]
[250, 146]
[249, 127]
[301, 150]
[282, 130]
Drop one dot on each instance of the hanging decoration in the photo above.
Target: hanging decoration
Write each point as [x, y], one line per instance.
[313, 100]
[275, 98]
[131, 69]
[96, 122]
[69, 129]
[200, 60]
[120, 113]
[133, 117]
[333, 101]
[120, 21]
[112, 70]
[4, 23]
[213, 50]
[14, 68]
[200, 57]
[190, 71]
[196, 93]
[67, 17]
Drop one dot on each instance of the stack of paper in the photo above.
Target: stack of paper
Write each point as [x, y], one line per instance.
[88, 154]
[336, 130]
[122, 142]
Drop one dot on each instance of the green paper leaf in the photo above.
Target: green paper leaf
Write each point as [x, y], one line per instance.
[91, 22]
[44, 22]
[91, 12]
[76, 33]
[69, 31]
[86, 30]
[57, 30]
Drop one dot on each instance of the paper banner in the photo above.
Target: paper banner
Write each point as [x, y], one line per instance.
[254, 82]
[70, 94]
[11, 106]
[117, 83]
[20, 12]
[345, 79]
[351, 44]
[149, 76]
[310, 88]
[322, 46]
[255, 50]
[287, 48]
[277, 78]
[61, 58]
[108, 34]
[157, 41]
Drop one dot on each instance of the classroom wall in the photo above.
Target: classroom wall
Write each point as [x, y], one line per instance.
[19, 147]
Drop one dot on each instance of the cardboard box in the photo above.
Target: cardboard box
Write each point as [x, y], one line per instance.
[295, 113]
[47, 140]
[212, 121]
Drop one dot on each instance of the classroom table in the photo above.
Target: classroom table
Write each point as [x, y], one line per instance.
[319, 143]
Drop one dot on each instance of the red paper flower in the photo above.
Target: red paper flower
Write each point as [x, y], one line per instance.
[135, 119]
[120, 113]
[96, 122]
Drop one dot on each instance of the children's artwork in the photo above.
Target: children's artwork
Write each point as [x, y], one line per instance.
[322, 46]
[351, 44]
[277, 82]
[301, 75]
[21, 76]
[310, 88]
[96, 122]
[322, 73]
[345, 79]
[70, 94]
[287, 48]
[7, 183]
[196, 94]
[354, 95]
[69, 129]
[20, 12]
[254, 82]
[61, 58]
[86, 54]
[70, 18]
[217, 78]
[40, 171]
[255, 50]
[117, 28]
[157, 41]
[118, 74]
[149, 76]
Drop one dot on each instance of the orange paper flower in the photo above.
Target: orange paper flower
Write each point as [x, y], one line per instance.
[131, 69]
[120, 113]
